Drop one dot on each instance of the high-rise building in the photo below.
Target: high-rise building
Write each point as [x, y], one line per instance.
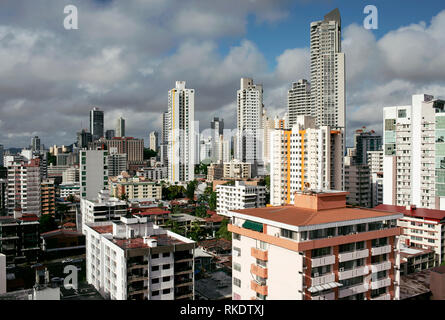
[298, 101]
[318, 249]
[96, 123]
[35, 145]
[414, 153]
[116, 162]
[328, 72]
[250, 144]
[304, 157]
[217, 134]
[132, 147]
[24, 187]
[48, 196]
[110, 134]
[154, 140]
[181, 129]
[142, 261]
[375, 163]
[357, 181]
[365, 141]
[1, 155]
[163, 148]
[84, 138]
[93, 172]
[120, 127]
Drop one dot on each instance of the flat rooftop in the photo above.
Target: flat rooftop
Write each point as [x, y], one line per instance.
[296, 216]
[415, 284]
[136, 243]
[217, 286]
[431, 214]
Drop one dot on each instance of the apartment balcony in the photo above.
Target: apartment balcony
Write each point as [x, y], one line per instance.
[329, 296]
[259, 287]
[385, 296]
[345, 292]
[322, 261]
[380, 283]
[259, 254]
[381, 250]
[320, 280]
[259, 271]
[347, 256]
[380, 266]
[357, 272]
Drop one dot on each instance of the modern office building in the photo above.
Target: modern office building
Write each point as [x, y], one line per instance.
[414, 153]
[239, 196]
[134, 259]
[35, 145]
[120, 127]
[250, 143]
[96, 123]
[84, 138]
[328, 72]
[357, 181]
[110, 134]
[305, 156]
[217, 134]
[181, 129]
[317, 249]
[93, 172]
[24, 187]
[365, 141]
[298, 101]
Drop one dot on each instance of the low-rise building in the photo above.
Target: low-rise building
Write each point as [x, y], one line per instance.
[154, 173]
[133, 259]
[415, 260]
[239, 196]
[134, 188]
[316, 249]
[72, 189]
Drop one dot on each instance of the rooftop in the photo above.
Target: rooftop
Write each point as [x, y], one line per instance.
[429, 214]
[217, 286]
[162, 239]
[415, 284]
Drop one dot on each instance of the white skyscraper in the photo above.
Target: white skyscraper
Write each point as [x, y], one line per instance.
[181, 129]
[328, 72]
[154, 140]
[414, 153]
[93, 172]
[298, 101]
[250, 144]
[120, 127]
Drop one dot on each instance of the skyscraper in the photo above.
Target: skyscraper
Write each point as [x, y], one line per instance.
[328, 72]
[164, 139]
[298, 101]
[83, 138]
[93, 172]
[365, 141]
[249, 123]
[217, 128]
[110, 134]
[181, 129]
[120, 127]
[35, 144]
[154, 140]
[96, 123]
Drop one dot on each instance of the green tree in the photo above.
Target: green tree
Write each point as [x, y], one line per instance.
[196, 232]
[124, 197]
[191, 187]
[172, 225]
[47, 223]
[201, 211]
[148, 153]
[212, 201]
[51, 159]
[223, 232]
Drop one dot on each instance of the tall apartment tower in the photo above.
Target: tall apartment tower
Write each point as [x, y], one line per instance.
[96, 123]
[250, 144]
[120, 127]
[35, 144]
[328, 72]
[365, 141]
[181, 133]
[154, 140]
[1, 155]
[83, 138]
[93, 172]
[217, 127]
[163, 145]
[298, 101]
[414, 153]
[304, 157]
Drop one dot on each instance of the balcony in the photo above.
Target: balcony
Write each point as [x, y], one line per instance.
[259, 287]
[328, 296]
[320, 280]
[259, 271]
[380, 283]
[345, 292]
[385, 296]
[347, 256]
[381, 266]
[381, 250]
[259, 254]
[322, 261]
[361, 271]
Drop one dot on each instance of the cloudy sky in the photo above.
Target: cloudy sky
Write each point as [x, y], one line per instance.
[126, 55]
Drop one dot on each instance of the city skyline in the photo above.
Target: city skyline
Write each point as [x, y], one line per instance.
[135, 89]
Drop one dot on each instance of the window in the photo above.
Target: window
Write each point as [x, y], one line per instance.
[286, 233]
[379, 242]
[155, 256]
[166, 254]
[321, 252]
[237, 282]
[154, 268]
[165, 279]
[165, 267]
[166, 291]
[155, 293]
[155, 280]
[237, 266]
[236, 236]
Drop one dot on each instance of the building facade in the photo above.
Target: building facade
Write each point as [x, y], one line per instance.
[93, 172]
[239, 196]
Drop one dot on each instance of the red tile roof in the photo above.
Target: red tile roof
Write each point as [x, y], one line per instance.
[429, 214]
[296, 216]
[103, 229]
[149, 211]
[29, 217]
